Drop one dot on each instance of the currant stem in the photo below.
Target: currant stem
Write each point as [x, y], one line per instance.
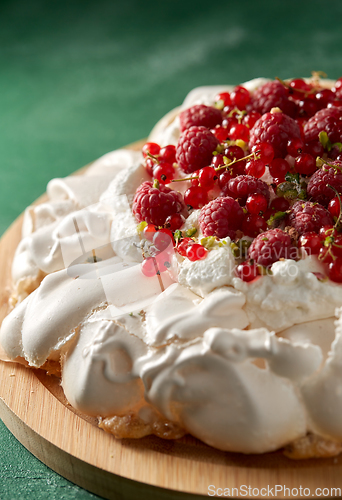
[305, 92]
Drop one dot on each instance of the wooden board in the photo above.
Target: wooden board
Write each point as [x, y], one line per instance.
[33, 407]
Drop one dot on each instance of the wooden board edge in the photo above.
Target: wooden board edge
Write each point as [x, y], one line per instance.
[85, 475]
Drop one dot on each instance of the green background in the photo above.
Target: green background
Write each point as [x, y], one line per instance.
[78, 79]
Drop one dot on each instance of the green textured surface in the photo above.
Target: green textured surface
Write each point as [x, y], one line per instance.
[78, 79]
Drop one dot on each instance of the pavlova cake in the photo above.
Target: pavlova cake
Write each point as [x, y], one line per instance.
[195, 287]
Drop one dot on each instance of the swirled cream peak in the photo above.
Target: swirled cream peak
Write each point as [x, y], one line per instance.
[256, 410]
[291, 294]
[98, 376]
[179, 314]
[50, 316]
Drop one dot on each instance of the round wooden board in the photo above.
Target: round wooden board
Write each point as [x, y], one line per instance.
[33, 407]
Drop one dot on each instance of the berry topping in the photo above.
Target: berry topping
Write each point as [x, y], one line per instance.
[256, 168]
[222, 100]
[242, 186]
[164, 172]
[195, 149]
[329, 175]
[312, 242]
[256, 203]
[196, 197]
[239, 131]
[168, 153]
[273, 95]
[183, 246]
[174, 221]
[200, 115]
[155, 204]
[150, 147]
[295, 146]
[334, 207]
[196, 252]
[264, 151]
[276, 129]
[221, 217]
[271, 246]
[335, 270]
[278, 169]
[337, 89]
[305, 164]
[253, 225]
[306, 216]
[240, 97]
[247, 271]
[328, 120]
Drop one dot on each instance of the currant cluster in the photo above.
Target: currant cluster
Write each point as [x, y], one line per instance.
[264, 168]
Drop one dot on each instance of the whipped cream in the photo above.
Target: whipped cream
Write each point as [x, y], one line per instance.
[216, 270]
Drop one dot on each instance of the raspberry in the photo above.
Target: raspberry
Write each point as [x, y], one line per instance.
[242, 186]
[200, 115]
[306, 217]
[195, 149]
[276, 129]
[273, 95]
[221, 217]
[327, 119]
[318, 189]
[154, 205]
[270, 246]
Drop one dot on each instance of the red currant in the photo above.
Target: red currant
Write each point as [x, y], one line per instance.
[217, 161]
[194, 178]
[335, 270]
[256, 203]
[183, 245]
[221, 133]
[149, 165]
[308, 107]
[256, 168]
[168, 154]
[247, 271]
[253, 225]
[196, 197]
[152, 148]
[164, 172]
[207, 177]
[264, 150]
[224, 97]
[305, 164]
[299, 84]
[295, 146]
[279, 205]
[323, 97]
[311, 241]
[224, 178]
[239, 131]
[196, 252]
[251, 118]
[237, 153]
[279, 168]
[334, 207]
[174, 221]
[240, 97]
